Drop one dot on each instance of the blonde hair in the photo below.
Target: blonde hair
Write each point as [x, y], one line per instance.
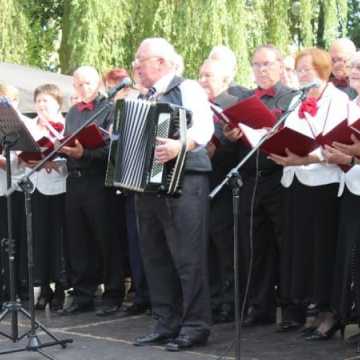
[9, 91]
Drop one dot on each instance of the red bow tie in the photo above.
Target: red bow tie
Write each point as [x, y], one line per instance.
[265, 92]
[82, 106]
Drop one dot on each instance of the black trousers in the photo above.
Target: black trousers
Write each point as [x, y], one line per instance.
[221, 250]
[173, 238]
[94, 254]
[136, 261]
[268, 235]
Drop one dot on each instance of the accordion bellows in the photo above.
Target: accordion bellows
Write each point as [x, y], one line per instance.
[131, 163]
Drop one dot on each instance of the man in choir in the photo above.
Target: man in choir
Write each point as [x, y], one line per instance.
[215, 77]
[173, 231]
[94, 249]
[341, 52]
[261, 197]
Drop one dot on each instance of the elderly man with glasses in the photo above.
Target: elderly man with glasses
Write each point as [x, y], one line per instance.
[173, 231]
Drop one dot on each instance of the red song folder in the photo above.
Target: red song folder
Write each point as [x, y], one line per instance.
[46, 147]
[251, 112]
[342, 132]
[90, 137]
[285, 138]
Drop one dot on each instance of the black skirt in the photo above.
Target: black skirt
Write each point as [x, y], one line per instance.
[48, 238]
[308, 251]
[347, 267]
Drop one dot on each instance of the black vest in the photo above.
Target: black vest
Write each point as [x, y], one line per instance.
[198, 160]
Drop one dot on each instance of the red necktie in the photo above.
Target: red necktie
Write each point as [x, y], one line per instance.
[265, 92]
[82, 106]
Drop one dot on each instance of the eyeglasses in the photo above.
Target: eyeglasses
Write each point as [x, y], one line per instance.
[139, 61]
[335, 60]
[266, 65]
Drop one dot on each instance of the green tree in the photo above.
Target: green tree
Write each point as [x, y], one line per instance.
[93, 33]
[14, 33]
[44, 18]
[353, 24]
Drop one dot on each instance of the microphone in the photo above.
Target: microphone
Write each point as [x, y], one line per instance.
[309, 86]
[122, 84]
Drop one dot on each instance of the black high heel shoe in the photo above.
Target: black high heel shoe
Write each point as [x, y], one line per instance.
[317, 335]
[57, 302]
[45, 297]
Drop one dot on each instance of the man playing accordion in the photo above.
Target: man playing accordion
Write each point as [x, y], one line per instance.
[173, 231]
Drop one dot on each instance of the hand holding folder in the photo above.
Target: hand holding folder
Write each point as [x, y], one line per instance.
[89, 137]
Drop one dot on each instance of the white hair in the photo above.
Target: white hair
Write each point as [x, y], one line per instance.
[226, 56]
[162, 48]
[355, 58]
[344, 43]
[87, 71]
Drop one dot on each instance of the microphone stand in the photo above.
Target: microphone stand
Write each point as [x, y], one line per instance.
[233, 179]
[25, 183]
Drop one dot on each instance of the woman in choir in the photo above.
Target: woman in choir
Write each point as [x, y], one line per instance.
[48, 201]
[312, 185]
[347, 268]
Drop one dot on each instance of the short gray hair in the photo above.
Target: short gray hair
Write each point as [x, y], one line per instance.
[87, 71]
[162, 48]
[226, 56]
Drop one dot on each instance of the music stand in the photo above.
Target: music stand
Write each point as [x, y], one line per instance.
[15, 136]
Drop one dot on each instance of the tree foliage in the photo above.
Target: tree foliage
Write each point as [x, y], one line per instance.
[14, 34]
[67, 33]
[353, 24]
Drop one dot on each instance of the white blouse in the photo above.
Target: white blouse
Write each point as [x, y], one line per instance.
[332, 109]
[52, 183]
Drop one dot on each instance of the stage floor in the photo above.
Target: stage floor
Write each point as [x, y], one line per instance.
[111, 339]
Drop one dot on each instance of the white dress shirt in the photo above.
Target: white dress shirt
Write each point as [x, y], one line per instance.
[332, 109]
[194, 99]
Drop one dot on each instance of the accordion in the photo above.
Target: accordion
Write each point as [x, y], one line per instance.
[131, 162]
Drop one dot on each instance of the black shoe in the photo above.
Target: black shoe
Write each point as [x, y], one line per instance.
[107, 310]
[224, 315]
[45, 297]
[288, 325]
[136, 309]
[77, 308]
[353, 339]
[57, 302]
[317, 335]
[307, 330]
[183, 342]
[152, 339]
[253, 318]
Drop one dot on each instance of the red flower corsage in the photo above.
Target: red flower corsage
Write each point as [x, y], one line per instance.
[309, 106]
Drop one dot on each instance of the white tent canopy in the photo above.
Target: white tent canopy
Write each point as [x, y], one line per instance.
[26, 79]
